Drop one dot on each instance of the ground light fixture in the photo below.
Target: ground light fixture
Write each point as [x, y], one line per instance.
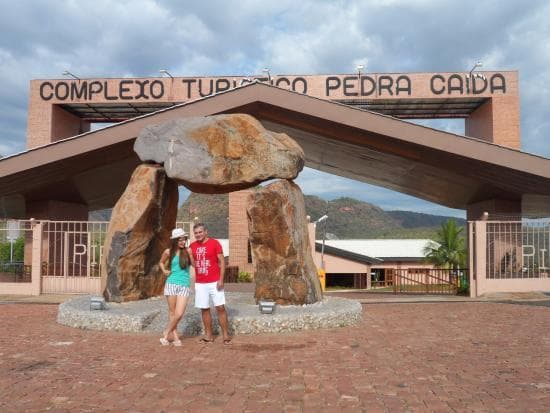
[266, 306]
[97, 303]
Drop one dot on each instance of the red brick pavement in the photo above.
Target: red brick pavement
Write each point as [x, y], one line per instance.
[401, 357]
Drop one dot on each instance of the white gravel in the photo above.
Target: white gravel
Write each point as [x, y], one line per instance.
[244, 316]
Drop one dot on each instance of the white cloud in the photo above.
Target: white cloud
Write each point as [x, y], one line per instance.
[139, 37]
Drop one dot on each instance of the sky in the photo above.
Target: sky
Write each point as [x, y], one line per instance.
[107, 38]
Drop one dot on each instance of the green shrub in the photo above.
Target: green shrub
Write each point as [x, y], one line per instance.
[18, 250]
[463, 285]
[244, 277]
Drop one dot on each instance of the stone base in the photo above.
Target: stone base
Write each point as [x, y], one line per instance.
[150, 316]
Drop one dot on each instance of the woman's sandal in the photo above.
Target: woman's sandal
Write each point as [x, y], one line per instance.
[164, 342]
[206, 341]
[177, 343]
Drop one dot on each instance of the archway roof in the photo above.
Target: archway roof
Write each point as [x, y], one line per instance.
[434, 165]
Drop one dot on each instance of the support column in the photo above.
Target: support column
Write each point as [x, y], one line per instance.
[238, 231]
[496, 121]
[65, 124]
[480, 260]
[36, 261]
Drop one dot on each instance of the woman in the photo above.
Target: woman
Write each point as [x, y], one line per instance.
[175, 263]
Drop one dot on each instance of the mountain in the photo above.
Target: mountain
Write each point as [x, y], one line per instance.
[212, 210]
[409, 219]
[348, 218]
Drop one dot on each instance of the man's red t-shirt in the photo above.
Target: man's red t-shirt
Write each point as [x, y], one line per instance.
[207, 268]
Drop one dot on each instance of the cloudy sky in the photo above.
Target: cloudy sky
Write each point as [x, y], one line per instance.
[41, 39]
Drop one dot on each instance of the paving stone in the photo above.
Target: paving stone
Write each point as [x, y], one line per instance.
[450, 356]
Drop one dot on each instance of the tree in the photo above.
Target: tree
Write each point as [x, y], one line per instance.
[449, 250]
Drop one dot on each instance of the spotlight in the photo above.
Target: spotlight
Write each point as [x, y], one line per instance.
[266, 70]
[67, 73]
[165, 72]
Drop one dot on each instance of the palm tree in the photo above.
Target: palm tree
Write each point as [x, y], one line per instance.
[448, 251]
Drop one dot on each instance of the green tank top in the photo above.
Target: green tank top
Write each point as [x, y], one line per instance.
[178, 275]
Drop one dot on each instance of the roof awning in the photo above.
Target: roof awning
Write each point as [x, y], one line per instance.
[434, 165]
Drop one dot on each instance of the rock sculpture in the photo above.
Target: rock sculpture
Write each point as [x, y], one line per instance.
[138, 232]
[283, 265]
[220, 154]
[215, 154]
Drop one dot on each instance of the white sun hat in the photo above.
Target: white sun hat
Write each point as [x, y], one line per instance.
[178, 233]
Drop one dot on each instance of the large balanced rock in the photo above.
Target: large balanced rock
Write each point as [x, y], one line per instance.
[283, 266]
[138, 232]
[220, 154]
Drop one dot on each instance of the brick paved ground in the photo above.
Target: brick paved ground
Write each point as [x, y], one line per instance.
[401, 357]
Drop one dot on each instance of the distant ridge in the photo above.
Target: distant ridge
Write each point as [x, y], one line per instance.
[348, 218]
[408, 219]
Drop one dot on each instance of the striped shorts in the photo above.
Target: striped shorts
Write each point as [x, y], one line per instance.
[176, 289]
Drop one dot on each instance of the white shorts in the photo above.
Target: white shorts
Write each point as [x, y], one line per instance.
[176, 289]
[203, 292]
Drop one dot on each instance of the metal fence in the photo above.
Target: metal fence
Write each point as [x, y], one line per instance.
[430, 281]
[518, 249]
[72, 252]
[71, 255]
[69, 252]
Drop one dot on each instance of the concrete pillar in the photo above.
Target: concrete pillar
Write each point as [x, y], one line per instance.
[471, 258]
[480, 258]
[36, 262]
[65, 124]
[238, 230]
[497, 121]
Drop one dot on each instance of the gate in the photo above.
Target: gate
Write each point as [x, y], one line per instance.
[429, 281]
[71, 256]
[509, 256]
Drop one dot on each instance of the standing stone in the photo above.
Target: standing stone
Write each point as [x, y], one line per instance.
[220, 154]
[138, 233]
[283, 266]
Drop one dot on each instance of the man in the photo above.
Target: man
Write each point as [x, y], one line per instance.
[209, 266]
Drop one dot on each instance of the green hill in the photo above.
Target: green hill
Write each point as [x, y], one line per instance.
[350, 218]
[213, 210]
[408, 219]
